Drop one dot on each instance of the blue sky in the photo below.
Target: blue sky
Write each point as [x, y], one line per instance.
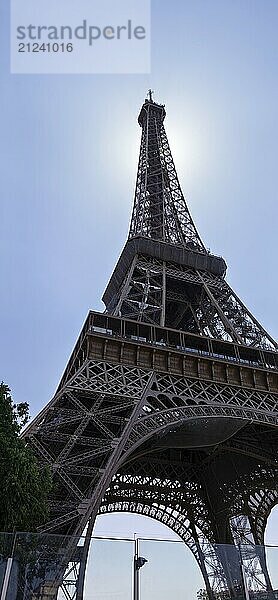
[69, 148]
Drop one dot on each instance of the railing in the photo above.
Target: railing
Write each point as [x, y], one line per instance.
[126, 568]
[104, 324]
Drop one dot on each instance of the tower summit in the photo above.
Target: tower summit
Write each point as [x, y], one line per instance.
[168, 405]
[159, 210]
[165, 275]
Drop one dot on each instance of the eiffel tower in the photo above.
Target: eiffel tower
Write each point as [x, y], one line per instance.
[168, 404]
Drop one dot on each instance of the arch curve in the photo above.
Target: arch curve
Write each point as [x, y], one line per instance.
[174, 520]
[157, 422]
[203, 551]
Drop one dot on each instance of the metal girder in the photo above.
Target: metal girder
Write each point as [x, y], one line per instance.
[178, 422]
[160, 211]
[193, 301]
[104, 397]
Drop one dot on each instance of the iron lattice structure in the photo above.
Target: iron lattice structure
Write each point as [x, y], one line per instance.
[168, 405]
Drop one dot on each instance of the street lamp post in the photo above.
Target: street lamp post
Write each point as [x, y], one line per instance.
[138, 562]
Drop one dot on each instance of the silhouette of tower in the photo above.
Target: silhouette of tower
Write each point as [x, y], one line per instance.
[168, 405]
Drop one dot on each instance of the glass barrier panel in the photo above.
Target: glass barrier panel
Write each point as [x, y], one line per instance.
[33, 566]
[272, 565]
[170, 573]
[110, 569]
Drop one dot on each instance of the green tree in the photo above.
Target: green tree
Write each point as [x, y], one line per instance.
[24, 486]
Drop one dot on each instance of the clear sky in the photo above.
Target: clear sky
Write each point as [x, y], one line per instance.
[69, 148]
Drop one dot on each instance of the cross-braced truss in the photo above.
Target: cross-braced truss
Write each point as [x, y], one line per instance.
[168, 405]
[160, 211]
[187, 299]
[108, 413]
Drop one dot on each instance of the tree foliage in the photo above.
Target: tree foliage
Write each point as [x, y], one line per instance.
[24, 486]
